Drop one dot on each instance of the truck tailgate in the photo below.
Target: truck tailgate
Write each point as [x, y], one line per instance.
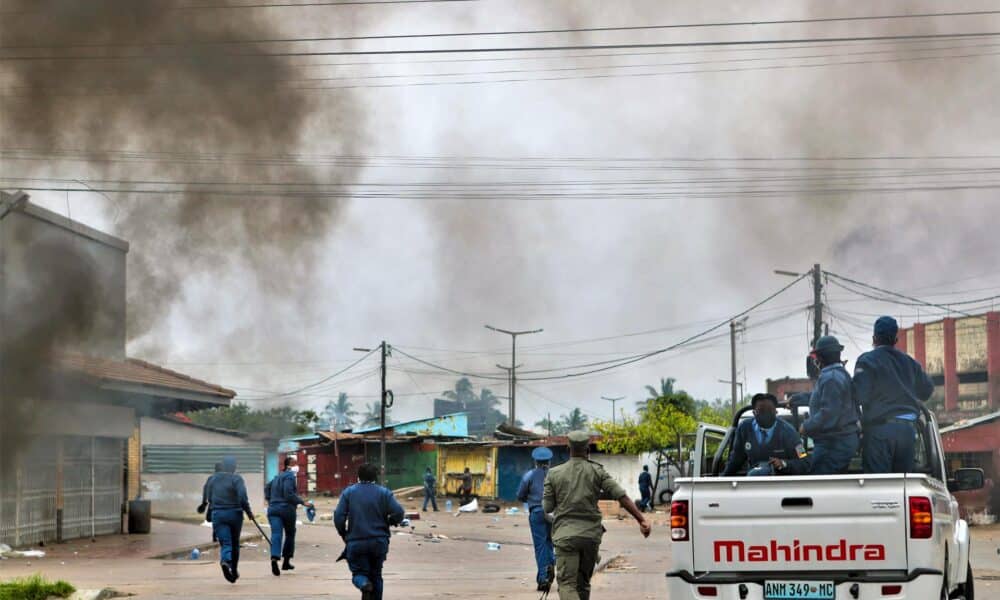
[799, 524]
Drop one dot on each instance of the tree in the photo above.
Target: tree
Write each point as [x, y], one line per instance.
[307, 419]
[658, 429]
[667, 390]
[551, 427]
[373, 416]
[463, 392]
[717, 412]
[240, 417]
[574, 420]
[339, 415]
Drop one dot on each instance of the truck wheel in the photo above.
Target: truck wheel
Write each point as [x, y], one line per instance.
[967, 590]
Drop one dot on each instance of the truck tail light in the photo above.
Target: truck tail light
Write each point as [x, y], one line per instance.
[708, 591]
[679, 521]
[921, 518]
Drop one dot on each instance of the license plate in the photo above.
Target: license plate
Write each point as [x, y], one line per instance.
[799, 590]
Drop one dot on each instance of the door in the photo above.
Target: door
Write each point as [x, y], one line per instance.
[708, 441]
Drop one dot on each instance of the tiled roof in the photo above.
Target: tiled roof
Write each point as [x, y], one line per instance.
[133, 370]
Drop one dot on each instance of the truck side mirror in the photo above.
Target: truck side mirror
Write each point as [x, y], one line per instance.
[964, 480]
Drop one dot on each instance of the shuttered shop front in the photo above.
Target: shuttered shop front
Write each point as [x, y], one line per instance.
[200, 459]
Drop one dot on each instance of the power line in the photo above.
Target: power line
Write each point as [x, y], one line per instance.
[504, 32]
[556, 48]
[321, 381]
[897, 294]
[272, 5]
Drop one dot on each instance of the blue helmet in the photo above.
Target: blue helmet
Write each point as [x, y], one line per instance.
[541, 455]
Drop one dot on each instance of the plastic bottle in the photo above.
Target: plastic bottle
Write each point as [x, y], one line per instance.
[447, 506]
[195, 554]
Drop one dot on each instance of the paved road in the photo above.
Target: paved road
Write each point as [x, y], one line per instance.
[442, 557]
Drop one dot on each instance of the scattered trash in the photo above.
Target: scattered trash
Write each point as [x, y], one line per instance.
[311, 513]
[493, 546]
[513, 511]
[326, 517]
[413, 516]
[195, 554]
[471, 507]
[447, 506]
[248, 545]
[490, 507]
[22, 553]
[206, 523]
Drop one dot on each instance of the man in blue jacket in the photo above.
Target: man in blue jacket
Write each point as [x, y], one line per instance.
[430, 490]
[530, 492]
[282, 501]
[227, 495]
[833, 422]
[363, 516]
[645, 488]
[761, 439]
[891, 387]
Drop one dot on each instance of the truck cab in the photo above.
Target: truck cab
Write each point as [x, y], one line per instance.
[832, 537]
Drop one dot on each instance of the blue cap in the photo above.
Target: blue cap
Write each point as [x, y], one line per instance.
[541, 454]
[828, 343]
[886, 328]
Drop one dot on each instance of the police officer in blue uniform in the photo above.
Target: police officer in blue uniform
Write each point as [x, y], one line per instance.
[430, 490]
[762, 438]
[282, 501]
[363, 516]
[833, 422]
[645, 488]
[890, 387]
[530, 492]
[227, 495]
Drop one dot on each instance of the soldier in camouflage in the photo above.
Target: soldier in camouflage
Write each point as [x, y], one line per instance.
[572, 490]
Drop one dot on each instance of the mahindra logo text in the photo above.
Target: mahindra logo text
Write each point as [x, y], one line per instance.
[735, 550]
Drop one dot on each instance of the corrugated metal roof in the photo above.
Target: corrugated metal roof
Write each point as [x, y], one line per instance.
[971, 423]
[453, 425]
[338, 436]
[133, 370]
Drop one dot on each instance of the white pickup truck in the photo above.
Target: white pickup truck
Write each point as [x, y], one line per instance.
[834, 537]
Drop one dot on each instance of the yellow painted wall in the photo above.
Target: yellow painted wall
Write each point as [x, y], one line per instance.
[481, 461]
[134, 464]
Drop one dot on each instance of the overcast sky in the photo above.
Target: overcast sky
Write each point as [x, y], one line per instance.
[631, 242]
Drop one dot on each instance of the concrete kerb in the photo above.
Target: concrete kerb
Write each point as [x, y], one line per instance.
[184, 552]
[102, 594]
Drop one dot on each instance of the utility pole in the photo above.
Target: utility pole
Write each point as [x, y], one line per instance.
[817, 304]
[513, 365]
[386, 402]
[612, 401]
[732, 353]
[510, 378]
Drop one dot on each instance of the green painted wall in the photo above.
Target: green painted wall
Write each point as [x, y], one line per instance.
[405, 465]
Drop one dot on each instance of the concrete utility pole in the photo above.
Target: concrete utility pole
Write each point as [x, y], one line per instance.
[613, 401]
[734, 328]
[817, 304]
[513, 365]
[510, 372]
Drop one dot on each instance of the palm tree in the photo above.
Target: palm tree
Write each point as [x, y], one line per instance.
[488, 398]
[340, 414]
[373, 416]
[574, 420]
[551, 427]
[666, 389]
[462, 393]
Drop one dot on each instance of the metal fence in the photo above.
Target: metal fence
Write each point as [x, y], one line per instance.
[89, 479]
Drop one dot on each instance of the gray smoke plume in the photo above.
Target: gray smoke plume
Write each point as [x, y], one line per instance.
[204, 109]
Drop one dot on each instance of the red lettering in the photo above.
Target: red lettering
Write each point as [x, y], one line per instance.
[738, 551]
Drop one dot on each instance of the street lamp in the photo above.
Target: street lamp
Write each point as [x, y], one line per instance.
[513, 363]
[613, 401]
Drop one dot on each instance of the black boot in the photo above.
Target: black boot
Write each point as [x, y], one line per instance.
[368, 592]
[287, 564]
[227, 572]
[274, 567]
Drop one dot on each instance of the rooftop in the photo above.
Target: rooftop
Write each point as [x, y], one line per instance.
[141, 373]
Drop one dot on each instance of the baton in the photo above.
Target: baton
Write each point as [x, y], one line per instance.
[267, 538]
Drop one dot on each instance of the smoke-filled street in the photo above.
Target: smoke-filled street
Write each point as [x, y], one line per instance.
[664, 299]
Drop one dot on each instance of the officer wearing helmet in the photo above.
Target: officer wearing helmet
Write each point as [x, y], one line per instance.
[834, 418]
[530, 492]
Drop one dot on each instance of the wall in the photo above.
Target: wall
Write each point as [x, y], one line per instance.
[319, 464]
[513, 462]
[481, 461]
[178, 494]
[983, 441]
[405, 464]
[623, 468]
